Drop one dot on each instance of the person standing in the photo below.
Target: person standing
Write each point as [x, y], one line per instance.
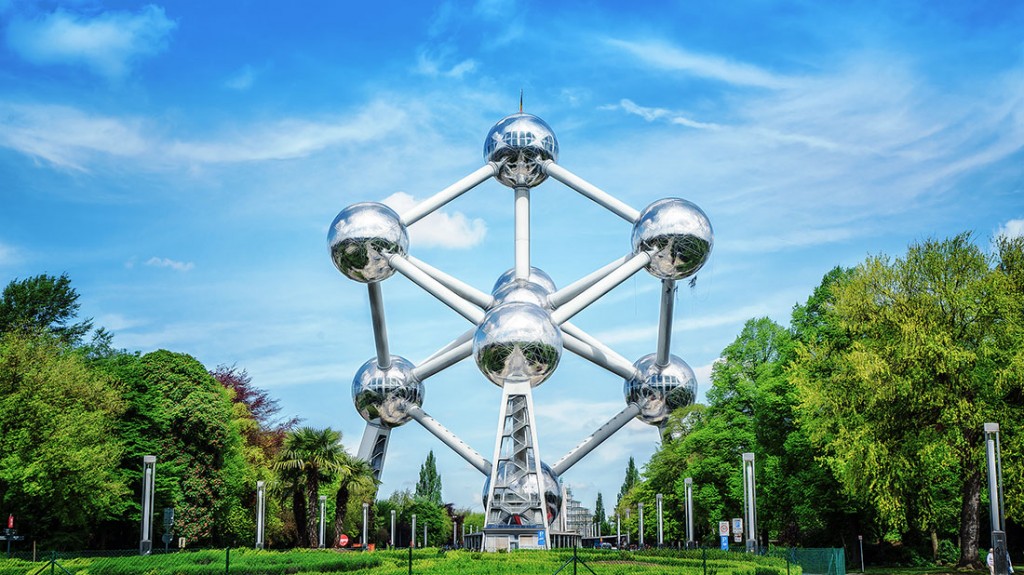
[991, 561]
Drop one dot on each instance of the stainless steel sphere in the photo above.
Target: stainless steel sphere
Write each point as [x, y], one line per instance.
[659, 390]
[524, 292]
[517, 342]
[679, 236]
[361, 238]
[552, 491]
[386, 394]
[537, 276]
[519, 143]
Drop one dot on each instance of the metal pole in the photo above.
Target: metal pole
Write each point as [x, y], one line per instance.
[640, 535]
[688, 482]
[618, 532]
[661, 540]
[750, 505]
[860, 539]
[1000, 563]
[323, 521]
[148, 483]
[393, 528]
[412, 532]
[380, 330]
[425, 544]
[668, 300]
[366, 519]
[261, 511]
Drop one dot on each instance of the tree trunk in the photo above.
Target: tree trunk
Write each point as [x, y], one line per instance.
[312, 511]
[935, 543]
[299, 511]
[969, 529]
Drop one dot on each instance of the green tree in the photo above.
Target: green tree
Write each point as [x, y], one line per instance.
[354, 476]
[429, 484]
[601, 515]
[58, 452]
[925, 354]
[631, 479]
[309, 458]
[43, 303]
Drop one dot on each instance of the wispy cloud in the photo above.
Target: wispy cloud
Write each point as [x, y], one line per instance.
[440, 229]
[668, 57]
[1011, 229]
[242, 79]
[169, 263]
[437, 65]
[108, 44]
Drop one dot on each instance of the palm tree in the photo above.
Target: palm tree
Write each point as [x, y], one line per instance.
[356, 475]
[309, 458]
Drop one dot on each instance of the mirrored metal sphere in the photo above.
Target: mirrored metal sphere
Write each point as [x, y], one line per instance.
[519, 143]
[517, 342]
[361, 238]
[679, 236]
[537, 276]
[552, 491]
[386, 394]
[659, 390]
[524, 292]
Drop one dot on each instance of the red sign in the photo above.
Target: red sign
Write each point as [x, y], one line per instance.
[343, 540]
[10, 521]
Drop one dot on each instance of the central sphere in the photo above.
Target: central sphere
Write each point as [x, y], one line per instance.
[552, 491]
[659, 390]
[519, 143]
[362, 237]
[386, 394]
[678, 235]
[517, 341]
[535, 289]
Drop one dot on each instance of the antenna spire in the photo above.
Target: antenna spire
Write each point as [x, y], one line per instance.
[520, 100]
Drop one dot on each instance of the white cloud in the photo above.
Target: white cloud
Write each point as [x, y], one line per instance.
[432, 66]
[169, 263]
[701, 65]
[439, 229]
[108, 44]
[652, 114]
[66, 136]
[1011, 229]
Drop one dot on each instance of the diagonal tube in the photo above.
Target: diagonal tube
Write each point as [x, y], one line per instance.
[445, 358]
[464, 290]
[436, 289]
[601, 287]
[429, 205]
[597, 438]
[589, 348]
[450, 439]
[576, 288]
[611, 203]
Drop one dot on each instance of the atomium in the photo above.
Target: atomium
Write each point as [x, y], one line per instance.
[520, 328]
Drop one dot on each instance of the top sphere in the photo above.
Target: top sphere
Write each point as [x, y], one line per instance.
[678, 235]
[519, 143]
[362, 237]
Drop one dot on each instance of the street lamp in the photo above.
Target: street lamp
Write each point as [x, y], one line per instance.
[148, 481]
[750, 502]
[661, 540]
[688, 482]
[995, 496]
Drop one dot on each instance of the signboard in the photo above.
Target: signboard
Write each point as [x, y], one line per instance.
[724, 542]
[737, 525]
[542, 538]
[343, 540]
[723, 528]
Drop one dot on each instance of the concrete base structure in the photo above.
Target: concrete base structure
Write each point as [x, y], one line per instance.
[513, 539]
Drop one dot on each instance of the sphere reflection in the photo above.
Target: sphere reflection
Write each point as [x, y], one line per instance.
[517, 342]
[659, 390]
[679, 236]
[386, 394]
[522, 484]
[361, 238]
[519, 143]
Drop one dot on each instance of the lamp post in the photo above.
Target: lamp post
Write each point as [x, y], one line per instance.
[366, 520]
[392, 527]
[995, 496]
[750, 502]
[412, 532]
[661, 540]
[261, 512]
[323, 521]
[148, 482]
[690, 543]
[640, 512]
[618, 532]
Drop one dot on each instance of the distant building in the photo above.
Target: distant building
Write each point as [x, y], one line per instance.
[577, 517]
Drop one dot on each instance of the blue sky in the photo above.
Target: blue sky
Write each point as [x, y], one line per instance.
[182, 162]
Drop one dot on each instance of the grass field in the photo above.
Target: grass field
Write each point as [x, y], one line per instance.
[397, 562]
